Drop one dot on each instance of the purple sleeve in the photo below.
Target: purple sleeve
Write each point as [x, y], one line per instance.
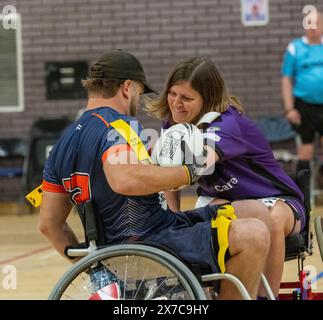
[225, 138]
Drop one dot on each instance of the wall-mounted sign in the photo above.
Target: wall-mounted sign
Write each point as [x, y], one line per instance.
[254, 12]
[63, 80]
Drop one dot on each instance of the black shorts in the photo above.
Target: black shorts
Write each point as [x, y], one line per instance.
[312, 120]
[192, 238]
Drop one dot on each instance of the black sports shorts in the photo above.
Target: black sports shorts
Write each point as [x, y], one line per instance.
[193, 238]
[312, 120]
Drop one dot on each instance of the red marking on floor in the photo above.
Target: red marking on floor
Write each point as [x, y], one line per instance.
[25, 255]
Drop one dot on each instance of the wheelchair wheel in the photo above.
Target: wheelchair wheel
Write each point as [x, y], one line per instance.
[139, 272]
[318, 223]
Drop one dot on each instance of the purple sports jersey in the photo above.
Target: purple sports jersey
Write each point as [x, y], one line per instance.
[75, 165]
[243, 149]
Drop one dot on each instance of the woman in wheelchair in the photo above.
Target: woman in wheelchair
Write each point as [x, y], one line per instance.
[81, 168]
[245, 171]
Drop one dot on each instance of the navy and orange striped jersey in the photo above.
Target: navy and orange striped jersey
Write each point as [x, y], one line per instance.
[75, 165]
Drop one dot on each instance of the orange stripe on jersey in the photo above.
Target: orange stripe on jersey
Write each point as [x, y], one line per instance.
[101, 118]
[115, 150]
[52, 187]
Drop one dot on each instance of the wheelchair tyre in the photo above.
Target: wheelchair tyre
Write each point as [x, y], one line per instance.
[318, 224]
[144, 273]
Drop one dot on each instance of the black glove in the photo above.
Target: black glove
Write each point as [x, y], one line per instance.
[195, 164]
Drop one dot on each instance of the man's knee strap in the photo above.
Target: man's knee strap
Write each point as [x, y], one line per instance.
[220, 239]
[227, 211]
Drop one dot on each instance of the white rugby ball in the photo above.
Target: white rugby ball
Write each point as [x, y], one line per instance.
[167, 150]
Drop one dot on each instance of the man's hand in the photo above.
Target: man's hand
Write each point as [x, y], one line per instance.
[194, 163]
[293, 116]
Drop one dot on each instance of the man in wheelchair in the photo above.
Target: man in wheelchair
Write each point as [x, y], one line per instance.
[96, 161]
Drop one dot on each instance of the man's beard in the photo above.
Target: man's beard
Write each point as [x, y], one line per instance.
[134, 103]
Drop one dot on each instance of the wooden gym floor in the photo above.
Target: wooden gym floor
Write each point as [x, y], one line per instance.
[38, 267]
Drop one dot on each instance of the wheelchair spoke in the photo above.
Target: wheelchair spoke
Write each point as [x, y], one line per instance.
[141, 282]
[125, 281]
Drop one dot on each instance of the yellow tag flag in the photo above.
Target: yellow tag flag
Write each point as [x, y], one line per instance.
[35, 196]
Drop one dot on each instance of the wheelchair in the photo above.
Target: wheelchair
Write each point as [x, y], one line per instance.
[299, 246]
[134, 271]
[143, 270]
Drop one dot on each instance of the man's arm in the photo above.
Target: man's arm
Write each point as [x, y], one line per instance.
[127, 176]
[292, 114]
[54, 211]
[136, 179]
[143, 179]
[287, 93]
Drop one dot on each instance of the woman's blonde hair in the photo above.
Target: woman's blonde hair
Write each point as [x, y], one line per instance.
[204, 78]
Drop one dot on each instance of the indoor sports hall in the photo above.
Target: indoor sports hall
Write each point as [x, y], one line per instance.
[47, 47]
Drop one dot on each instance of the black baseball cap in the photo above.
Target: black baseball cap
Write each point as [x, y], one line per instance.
[122, 65]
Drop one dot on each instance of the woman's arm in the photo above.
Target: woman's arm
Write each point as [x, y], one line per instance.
[292, 114]
[173, 199]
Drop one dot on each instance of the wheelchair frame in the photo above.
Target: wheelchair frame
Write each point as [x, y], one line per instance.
[192, 281]
[189, 282]
[298, 246]
[301, 245]
[302, 287]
